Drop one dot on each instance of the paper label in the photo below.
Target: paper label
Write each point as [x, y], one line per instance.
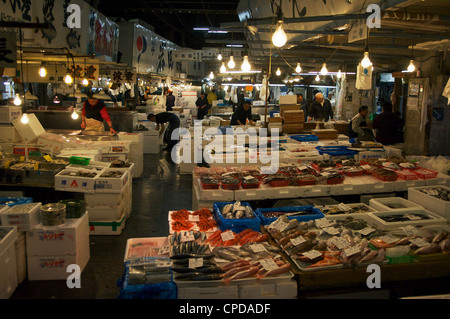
[332, 231]
[247, 178]
[228, 235]
[268, 264]
[341, 243]
[322, 223]
[22, 158]
[258, 248]
[389, 239]
[164, 250]
[312, 254]
[48, 158]
[36, 166]
[297, 241]
[366, 231]
[409, 230]
[186, 238]
[366, 167]
[344, 208]
[419, 242]
[433, 192]
[412, 217]
[195, 263]
[281, 226]
[351, 251]
[194, 218]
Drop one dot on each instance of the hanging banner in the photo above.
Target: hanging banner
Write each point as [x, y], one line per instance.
[8, 50]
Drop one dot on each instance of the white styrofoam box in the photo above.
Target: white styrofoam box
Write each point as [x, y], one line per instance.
[403, 185]
[104, 184]
[65, 239]
[441, 179]
[8, 263]
[119, 147]
[314, 190]
[98, 199]
[186, 168]
[199, 204]
[24, 216]
[213, 194]
[208, 292]
[75, 183]
[434, 219]
[372, 185]
[392, 203]
[107, 212]
[21, 257]
[55, 267]
[9, 134]
[6, 148]
[269, 290]
[99, 166]
[9, 114]
[94, 153]
[107, 227]
[31, 131]
[433, 204]
[131, 170]
[350, 186]
[109, 157]
[152, 144]
[137, 138]
[57, 142]
[366, 198]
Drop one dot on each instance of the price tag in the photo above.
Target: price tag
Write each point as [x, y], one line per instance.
[258, 248]
[298, 240]
[164, 250]
[48, 158]
[268, 264]
[186, 238]
[303, 168]
[194, 218]
[312, 254]
[195, 263]
[280, 225]
[351, 251]
[341, 243]
[366, 231]
[247, 178]
[36, 166]
[389, 239]
[409, 230]
[332, 231]
[413, 217]
[228, 235]
[22, 158]
[419, 242]
[344, 208]
[322, 223]
[433, 192]
[163, 263]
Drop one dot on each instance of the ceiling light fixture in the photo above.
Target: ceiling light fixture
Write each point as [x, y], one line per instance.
[231, 63]
[278, 73]
[245, 67]
[211, 76]
[411, 66]
[339, 74]
[219, 57]
[317, 78]
[324, 70]
[279, 37]
[299, 68]
[365, 62]
[42, 70]
[17, 100]
[223, 68]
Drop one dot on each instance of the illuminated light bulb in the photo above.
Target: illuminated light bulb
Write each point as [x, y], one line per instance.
[219, 57]
[365, 62]
[24, 119]
[324, 70]
[42, 72]
[245, 67]
[17, 100]
[411, 66]
[279, 37]
[296, 80]
[68, 79]
[75, 115]
[278, 73]
[85, 82]
[299, 68]
[56, 100]
[317, 78]
[211, 76]
[231, 63]
[223, 68]
[339, 74]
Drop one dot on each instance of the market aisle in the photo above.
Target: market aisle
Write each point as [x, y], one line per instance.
[159, 190]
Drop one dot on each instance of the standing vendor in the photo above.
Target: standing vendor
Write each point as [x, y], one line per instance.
[321, 109]
[202, 106]
[174, 123]
[170, 101]
[242, 114]
[93, 114]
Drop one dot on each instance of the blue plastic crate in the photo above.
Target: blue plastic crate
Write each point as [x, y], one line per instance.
[313, 213]
[337, 152]
[13, 201]
[224, 129]
[305, 138]
[236, 225]
[164, 290]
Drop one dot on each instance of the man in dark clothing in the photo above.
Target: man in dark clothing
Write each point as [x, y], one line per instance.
[202, 106]
[170, 101]
[303, 105]
[161, 119]
[386, 125]
[242, 114]
[321, 109]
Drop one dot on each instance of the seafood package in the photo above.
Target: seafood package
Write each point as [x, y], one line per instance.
[236, 216]
[149, 270]
[326, 243]
[184, 220]
[407, 216]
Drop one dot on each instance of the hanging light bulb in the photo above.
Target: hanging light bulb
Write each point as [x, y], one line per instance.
[17, 100]
[411, 66]
[278, 73]
[219, 57]
[75, 115]
[24, 119]
[299, 68]
[245, 67]
[365, 62]
[85, 82]
[56, 100]
[317, 78]
[231, 63]
[279, 38]
[42, 71]
[211, 76]
[68, 79]
[324, 70]
[339, 74]
[223, 68]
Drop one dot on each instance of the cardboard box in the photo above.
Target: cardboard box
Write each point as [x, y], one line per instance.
[24, 216]
[288, 99]
[225, 123]
[65, 239]
[22, 149]
[31, 131]
[9, 134]
[104, 184]
[274, 119]
[64, 182]
[9, 113]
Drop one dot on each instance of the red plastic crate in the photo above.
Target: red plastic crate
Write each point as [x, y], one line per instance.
[210, 186]
[231, 187]
[279, 183]
[250, 186]
[306, 182]
[335, 181]
[386, 178]
[352, 174]
[424, 173]
[406, 174]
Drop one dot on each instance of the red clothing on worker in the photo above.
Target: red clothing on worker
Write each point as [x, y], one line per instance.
[97, 112]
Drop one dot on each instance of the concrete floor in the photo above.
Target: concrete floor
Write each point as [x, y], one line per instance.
[158, 190]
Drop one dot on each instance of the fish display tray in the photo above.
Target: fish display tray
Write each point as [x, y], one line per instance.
[353, 205]
[431, 219]
[392, 203]
[312, 213]
[194, 224]
[236, 225]
[431, 203]
[424, 173]
[407, 174]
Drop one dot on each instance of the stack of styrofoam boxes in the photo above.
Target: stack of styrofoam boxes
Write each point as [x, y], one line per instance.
[56, 143]
[31, 131]
[110, 206]
[8, 133]
[136, 153]
[24, 218]
[51, 249]
[429, 202]
[8, 273]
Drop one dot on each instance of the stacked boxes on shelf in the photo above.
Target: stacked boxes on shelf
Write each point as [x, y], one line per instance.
[136, 151]
[8, 133]
[51, 249]
[293, 121]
